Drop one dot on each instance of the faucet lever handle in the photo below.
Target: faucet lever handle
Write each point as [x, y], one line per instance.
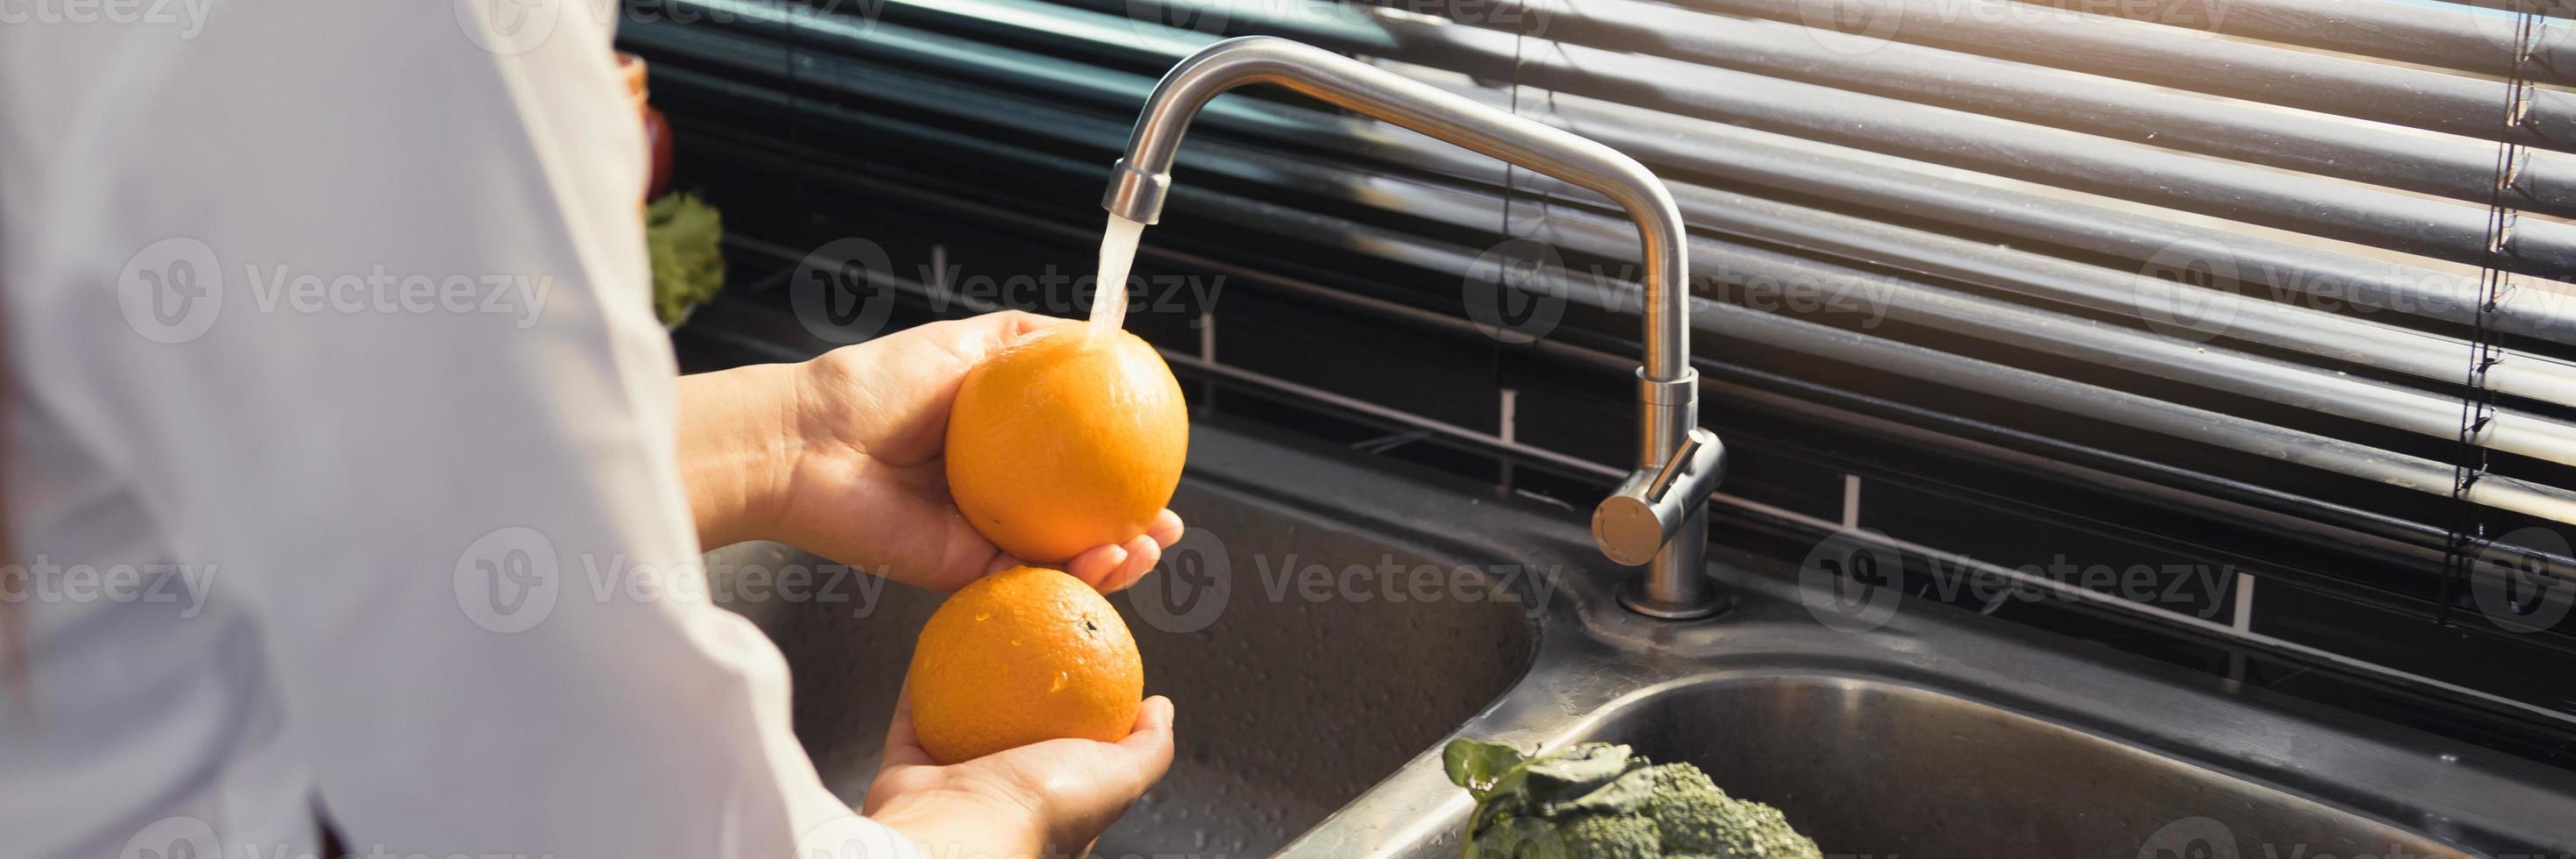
[1682, 463]
[1636, 521]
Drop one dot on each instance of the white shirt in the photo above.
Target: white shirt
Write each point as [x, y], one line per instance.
[334, 367]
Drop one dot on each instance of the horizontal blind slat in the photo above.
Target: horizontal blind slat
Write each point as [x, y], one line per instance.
[2150, 53]
[1939, 135]
[2455, 37]
[2447, 165]
[2433, 359]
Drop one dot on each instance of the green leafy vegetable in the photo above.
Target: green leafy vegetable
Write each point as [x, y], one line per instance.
[1476, 765]
[1596, 801]
[684, 238]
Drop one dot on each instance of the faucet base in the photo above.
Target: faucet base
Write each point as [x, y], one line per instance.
[1632, 594]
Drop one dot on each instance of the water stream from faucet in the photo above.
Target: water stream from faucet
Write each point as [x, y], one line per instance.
[1109, 294]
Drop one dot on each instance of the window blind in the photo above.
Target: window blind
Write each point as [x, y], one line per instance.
[2279, 280]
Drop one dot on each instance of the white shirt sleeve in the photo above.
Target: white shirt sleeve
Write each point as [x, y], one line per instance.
[355, 293]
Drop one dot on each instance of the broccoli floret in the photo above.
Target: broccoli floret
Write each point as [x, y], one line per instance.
[1694, 817]
[1595, 801]
[1597, 836]
[1613, 835]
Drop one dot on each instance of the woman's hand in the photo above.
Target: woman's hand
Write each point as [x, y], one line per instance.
[1051, 798]
[840, 456]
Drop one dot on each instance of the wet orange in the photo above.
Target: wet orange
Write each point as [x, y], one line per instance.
[1064, 441]
[1022, 656]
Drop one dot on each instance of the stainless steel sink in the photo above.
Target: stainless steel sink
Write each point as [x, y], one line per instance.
[1870, 767]
[1288, 707]
[1938, 734]
[1312, 727]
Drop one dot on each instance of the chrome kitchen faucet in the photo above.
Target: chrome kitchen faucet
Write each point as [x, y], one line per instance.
[1656, 516]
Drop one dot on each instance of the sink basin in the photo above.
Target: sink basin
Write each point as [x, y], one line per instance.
[1873, 768]
[1287, 707]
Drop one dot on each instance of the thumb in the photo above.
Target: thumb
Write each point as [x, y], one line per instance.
[1149, 744]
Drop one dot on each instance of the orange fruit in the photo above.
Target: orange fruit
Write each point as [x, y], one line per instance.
[1020, 656]
[1064, 441]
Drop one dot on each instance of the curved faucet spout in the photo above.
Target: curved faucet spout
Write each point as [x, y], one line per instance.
[1668, 389]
